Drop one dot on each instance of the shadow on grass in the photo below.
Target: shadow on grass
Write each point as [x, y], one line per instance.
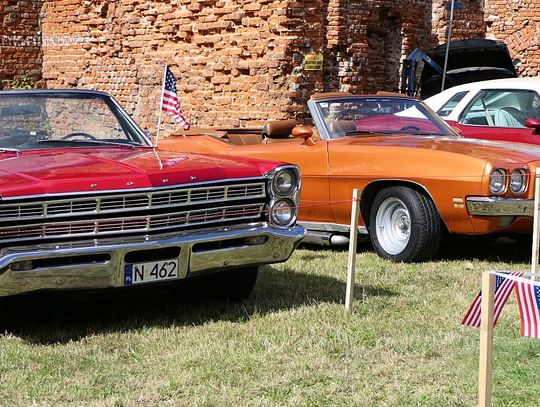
[483, 248]
[47, 318]
[486, 249]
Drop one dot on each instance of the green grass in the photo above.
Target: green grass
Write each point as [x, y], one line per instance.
[291, 343]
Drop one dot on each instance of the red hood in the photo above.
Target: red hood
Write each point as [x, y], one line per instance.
[84, 170]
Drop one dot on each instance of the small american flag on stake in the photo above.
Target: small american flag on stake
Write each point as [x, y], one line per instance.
[503, 289]
[169, 100]
[528, 295]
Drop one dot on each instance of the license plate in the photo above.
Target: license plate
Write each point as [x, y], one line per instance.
[150, 272]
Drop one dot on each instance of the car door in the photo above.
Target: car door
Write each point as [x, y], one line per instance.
[499, 114]
[351, 165]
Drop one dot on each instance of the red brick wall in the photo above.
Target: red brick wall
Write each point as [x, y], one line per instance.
[232, 59]
[518, 24]
[240, 62]
[20, 40]
[368, 40]
[468, 22]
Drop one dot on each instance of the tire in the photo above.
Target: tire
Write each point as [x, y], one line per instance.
[404, 225]
[235, 285]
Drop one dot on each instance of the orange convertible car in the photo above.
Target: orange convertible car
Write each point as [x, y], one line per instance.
[419, 179]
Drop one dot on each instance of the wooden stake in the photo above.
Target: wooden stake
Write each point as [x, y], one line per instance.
[536, 224]
[486, 340]
[353, 239]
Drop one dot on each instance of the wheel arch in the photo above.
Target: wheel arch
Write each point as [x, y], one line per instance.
[373, 188]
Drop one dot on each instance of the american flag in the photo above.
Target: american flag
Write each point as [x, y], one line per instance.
[170, 102]
[503, 289]
[528, 294]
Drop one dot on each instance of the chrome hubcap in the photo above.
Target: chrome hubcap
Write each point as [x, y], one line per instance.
[393, 226]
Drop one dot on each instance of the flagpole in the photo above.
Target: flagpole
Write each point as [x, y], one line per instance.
[160, 111]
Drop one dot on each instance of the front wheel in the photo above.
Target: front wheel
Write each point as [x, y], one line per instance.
[404, 225]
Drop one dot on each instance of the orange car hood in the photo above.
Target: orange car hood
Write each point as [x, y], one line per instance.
[492, 151]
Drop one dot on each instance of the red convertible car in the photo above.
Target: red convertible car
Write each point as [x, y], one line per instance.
[87, 202]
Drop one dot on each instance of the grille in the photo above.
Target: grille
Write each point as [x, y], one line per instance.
[135, 212]
[135, 224]
[131, 201]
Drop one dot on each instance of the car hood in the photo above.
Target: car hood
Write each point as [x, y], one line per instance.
[468, 61]
[91, 170]
[490, 151]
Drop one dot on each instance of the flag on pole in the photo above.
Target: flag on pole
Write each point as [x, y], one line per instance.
[528, 295]
[503, 289]
[170, 102]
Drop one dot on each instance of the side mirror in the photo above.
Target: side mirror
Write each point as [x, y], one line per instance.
[533, 124]
[302, 132]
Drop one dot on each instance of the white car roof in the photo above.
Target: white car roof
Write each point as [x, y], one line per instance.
[435, 102]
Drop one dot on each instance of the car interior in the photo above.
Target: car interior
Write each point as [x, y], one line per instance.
[501, 108]
[273, 131]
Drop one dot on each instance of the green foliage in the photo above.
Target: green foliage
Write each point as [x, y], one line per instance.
[23, 81]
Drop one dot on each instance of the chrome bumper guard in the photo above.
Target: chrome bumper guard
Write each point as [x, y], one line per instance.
[494, 206]
[100, 263]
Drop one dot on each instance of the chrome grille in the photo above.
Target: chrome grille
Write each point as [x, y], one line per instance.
[135, 224]
[131, 202]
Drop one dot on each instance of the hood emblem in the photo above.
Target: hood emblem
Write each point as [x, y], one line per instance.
[129, 183]
[193, 178]
[93, 185]
[165, 180]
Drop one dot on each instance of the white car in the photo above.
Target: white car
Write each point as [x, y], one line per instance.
[501, 109]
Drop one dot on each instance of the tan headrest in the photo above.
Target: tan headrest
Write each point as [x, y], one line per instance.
[279, 128]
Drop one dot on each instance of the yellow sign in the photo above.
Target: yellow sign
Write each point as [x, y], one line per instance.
[313, 62]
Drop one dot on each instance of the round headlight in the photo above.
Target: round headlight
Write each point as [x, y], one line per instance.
[518, 181]
[497, 181]
[282, 212]
[284, 182]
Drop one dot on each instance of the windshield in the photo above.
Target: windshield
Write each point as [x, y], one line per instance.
[376, 115]
[67, 120]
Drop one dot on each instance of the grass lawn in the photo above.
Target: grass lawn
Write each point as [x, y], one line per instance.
[291, 343]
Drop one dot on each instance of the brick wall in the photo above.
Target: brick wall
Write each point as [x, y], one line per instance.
[240, 62]
[20, 40]
[233, 59]
[368, 39]
[518, 24]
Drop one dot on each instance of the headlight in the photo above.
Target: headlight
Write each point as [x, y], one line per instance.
[518, 181]
[284, 182]
[497, 181]
[282, 212]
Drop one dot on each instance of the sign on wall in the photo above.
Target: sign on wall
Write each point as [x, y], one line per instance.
[313, 62]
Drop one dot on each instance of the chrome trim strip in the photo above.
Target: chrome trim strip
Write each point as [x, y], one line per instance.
[496, 206]
[331, 227]
[128, 190]
[278, 246]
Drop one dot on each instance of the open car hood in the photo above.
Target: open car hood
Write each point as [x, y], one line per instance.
[468, 61]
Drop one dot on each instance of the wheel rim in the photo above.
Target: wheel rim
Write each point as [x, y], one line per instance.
[393, 226]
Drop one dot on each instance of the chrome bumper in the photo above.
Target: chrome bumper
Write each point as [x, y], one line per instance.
[492, 206]
[100, 263]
